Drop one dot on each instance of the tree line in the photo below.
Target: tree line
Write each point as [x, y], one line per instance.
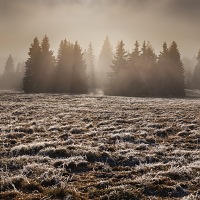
[137, 73]
[64, 74]
[143, 73]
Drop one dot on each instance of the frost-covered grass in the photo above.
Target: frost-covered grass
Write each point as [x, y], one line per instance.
[98, 147]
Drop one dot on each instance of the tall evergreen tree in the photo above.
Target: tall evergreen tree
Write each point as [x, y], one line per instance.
[47, 66]
[32, 68]
[118, 84]
[133, 78]
[64, 67]
[79, 77]
[8, 79]
[103, 65]
[176, 73]
[71, 69]
[148, 77]
[163, 72]
[9, 67]
[196, 74]
[90, 68]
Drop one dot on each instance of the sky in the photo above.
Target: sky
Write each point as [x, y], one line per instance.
[88, 21]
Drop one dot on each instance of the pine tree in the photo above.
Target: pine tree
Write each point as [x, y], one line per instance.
[163, 72]
[90, 68]
[104, 62]
[9, 67]
[71, 69]
[196, 74]
[134, 61]
[47, 66]
[9, 79]
[118, 84]
[148, 76]
[176, 72]
[79, 77]
[64, 67]
[32, 68]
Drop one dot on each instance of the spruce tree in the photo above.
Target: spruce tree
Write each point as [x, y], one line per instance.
[9, 79]
[103, 65]
[70, 69]
[32, 68]
[133, 79]
[64, 67]
[9, 67]
[163, 72]
[47, 66]
[196, 74]
[79, 77]
[148, 77]
[89, 57]
[176, 72]
[118, 84]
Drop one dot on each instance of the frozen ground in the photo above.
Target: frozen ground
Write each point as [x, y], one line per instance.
[98, 147]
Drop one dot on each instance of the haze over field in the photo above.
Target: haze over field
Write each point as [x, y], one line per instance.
[91, 20]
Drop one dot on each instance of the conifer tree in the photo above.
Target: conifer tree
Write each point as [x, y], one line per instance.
[71, 69]
[163, 72]
[9, 79]
[196, 74]
[9, 67]
[32, 68]
[148, 77]
[79, 77]
[64, 67]
[134, 62]
[118, 84]
[103, 65]
[90, 68]
[47, 66]
[176, 72]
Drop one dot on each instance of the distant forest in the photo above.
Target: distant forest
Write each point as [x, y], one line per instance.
[139, 73]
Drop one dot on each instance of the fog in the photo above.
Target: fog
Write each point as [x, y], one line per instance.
[91, 20]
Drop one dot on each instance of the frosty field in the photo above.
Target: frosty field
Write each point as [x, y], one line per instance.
[99, 147]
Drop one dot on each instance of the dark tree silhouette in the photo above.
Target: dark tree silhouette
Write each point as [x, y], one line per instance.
[164, 72]
[47, 66]
[89, 57]
[196, 74]
[71, 69]
[103, 65]
[118, 84]
[148, 72]
[134, 63]
[64, 67]
[176, 72]
[79, 77]
[32, 68]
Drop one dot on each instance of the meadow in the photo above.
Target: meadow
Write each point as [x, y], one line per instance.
[78, 147]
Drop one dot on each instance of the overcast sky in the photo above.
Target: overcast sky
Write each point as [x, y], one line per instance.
[91, 20]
